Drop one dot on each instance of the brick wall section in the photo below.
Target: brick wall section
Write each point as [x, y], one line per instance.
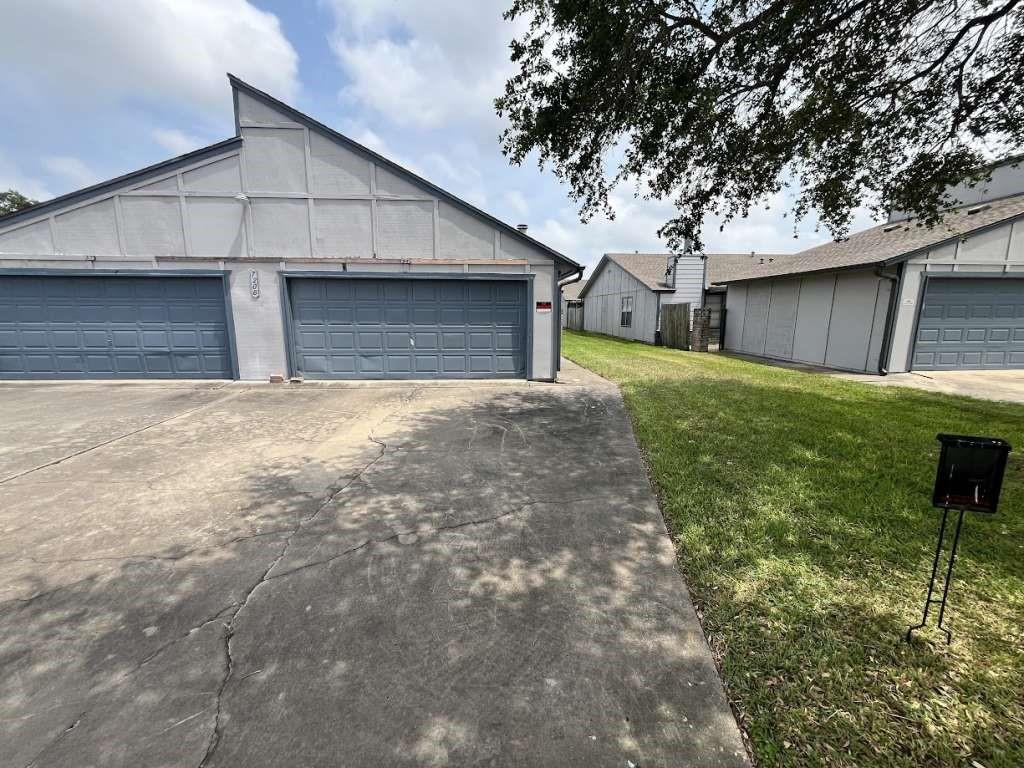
[700, 329]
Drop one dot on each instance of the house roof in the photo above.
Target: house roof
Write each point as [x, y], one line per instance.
[135, 176]
[648, 268]
[722, 266]
[887, 243]
[309, 122]
[571, 292]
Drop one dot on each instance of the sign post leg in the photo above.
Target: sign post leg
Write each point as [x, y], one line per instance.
[949, 577]
[930, 601]
[931, 582]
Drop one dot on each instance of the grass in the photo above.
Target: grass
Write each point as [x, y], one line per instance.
[800, 505]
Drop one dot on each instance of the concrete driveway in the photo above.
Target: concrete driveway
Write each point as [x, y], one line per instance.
[231, 575]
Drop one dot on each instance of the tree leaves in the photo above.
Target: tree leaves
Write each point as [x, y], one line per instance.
[12, 200]
[719, 104]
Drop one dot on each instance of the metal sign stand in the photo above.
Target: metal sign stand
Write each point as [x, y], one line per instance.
[930, 601]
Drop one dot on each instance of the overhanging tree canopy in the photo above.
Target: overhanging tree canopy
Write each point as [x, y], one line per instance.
[719, 104]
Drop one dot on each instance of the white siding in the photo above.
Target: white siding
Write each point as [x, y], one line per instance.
[689, 282]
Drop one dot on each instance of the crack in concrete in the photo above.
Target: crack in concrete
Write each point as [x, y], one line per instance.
[55, 462]
[333, 492]
[430, 530]
[55, 741]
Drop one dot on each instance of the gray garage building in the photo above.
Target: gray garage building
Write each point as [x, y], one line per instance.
[899, 296]
[288, 250]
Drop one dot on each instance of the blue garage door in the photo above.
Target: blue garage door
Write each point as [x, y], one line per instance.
[363, 328]
[970, 323]
[113, 327]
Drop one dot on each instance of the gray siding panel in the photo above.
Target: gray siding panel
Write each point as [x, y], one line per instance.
[603, 305]
[755, 318]
[735, 307]
[812, 321]
[853, 312]
[782, 318]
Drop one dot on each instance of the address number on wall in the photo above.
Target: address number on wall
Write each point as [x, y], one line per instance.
[254, 283]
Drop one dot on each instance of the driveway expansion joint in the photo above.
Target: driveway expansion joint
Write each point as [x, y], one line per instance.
[109, 441]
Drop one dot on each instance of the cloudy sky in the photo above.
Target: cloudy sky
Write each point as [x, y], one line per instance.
[93, 90]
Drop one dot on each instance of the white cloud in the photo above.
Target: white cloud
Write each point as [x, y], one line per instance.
[71, 170]
[423, 64]
[177, 50]
[516, 202]
[12, 178]
[176, 142]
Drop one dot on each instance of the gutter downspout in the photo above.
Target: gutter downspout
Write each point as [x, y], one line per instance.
[896, 282]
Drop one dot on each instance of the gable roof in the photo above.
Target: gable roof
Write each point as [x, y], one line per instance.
[888, 243]
[133, 177]
[571, 292]
[309, 122]
[648, 268]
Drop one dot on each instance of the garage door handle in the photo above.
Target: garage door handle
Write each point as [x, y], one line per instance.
[412, 342]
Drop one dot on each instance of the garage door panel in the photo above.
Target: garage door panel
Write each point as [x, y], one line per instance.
[70, 363]
[66, 326]
[400, 328]
[968, 323]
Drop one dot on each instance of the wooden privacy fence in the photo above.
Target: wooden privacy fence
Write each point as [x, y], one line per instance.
[574, 316]
[675, 326]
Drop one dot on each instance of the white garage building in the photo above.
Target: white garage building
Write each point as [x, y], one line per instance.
[288, 250]
[899, 296]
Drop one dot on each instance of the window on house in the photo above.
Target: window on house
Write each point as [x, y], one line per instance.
[626, 316]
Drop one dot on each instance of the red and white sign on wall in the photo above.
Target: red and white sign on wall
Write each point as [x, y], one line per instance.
[543, 306]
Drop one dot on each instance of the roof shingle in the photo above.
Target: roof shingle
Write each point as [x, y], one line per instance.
[886, 242]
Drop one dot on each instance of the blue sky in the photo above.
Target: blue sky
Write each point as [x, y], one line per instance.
[93, 90]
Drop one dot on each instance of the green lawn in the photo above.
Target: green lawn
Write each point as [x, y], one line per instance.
[800, 505]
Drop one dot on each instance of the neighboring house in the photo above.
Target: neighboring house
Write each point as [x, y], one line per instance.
[642, 283]
[572, 305]
[288, 250]
[626, 292]
[898, 296]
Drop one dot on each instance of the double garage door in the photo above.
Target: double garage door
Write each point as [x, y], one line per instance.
[970, 323]
[388, 328]
[113, 327]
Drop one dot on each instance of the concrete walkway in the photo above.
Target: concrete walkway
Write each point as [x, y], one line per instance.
[1007, 386]
[235, 575]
